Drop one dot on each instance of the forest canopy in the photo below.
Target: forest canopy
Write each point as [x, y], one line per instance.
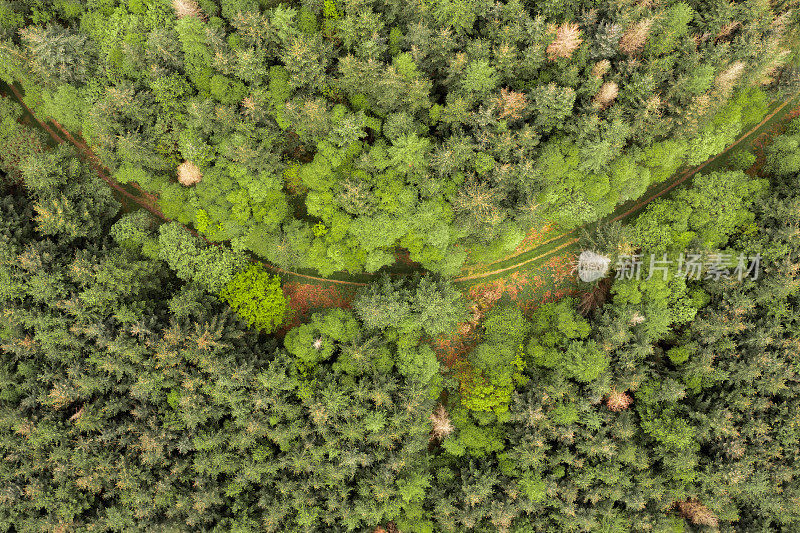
[131, 397]
[326, 134]
[169, 170]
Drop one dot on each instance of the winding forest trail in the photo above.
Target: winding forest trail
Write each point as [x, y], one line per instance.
[539, 253]
[556, 244]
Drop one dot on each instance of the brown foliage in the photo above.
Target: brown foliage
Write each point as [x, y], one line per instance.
[653, 105]
[699, 107]
[306, 298]
[636, 319]
[249, 103]
[632, 41]
[189, 174]
[596, 297]
[451, 349]
[726, 30]
[480, 200]
[187, 8]
[618, 401]
[606, 95]
[781, 22]
[697, 513]
[727, 79]
[568, 39]
[60, 396]
[441, 424]
[511, 104]
[77, 415]
[601, 68]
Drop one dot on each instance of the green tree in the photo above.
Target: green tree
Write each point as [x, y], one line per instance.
[257, 298]
[58, 54]
[215, 267]
[65, 105]
[552, 104]
[422, 303]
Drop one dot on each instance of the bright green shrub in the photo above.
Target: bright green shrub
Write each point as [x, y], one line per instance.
[127, 173]
[173, 202]
[495, 366]
[746, 108]
[257, 298]
[472, 439]
[487, 384]
[681, 354]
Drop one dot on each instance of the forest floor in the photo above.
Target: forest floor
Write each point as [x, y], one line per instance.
[539, 270]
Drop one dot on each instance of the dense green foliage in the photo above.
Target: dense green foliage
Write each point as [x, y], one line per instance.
[141, 385]
[675, 400]
[214, 267]
[213, 427]
[323, 134]
[16, 141]
[257, 298]
[130, 399]
[428, 304]
[495, 366]
[252, 292]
